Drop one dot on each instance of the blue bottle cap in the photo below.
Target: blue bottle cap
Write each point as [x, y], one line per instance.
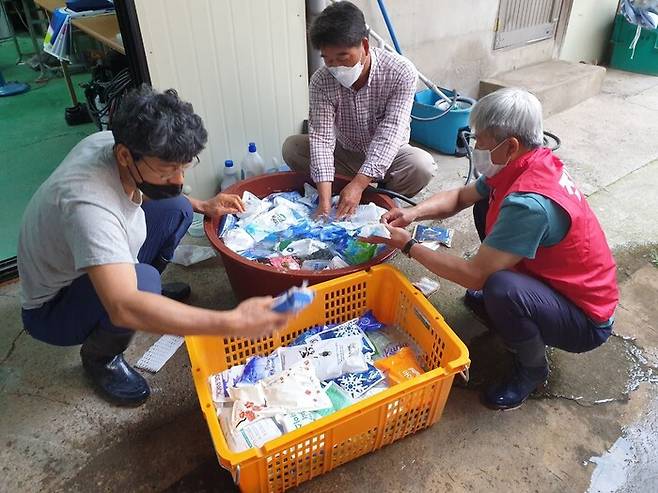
[228, 163]
[252, 147]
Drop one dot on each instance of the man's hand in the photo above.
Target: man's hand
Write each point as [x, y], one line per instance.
[350, 196]
[400, 218]
[399, 238]
[222, 203]
[322, 211]
[254, 318]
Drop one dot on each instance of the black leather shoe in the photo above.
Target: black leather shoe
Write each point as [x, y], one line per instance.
[103, 362]
[474, 300]
[512, 393]
[178, 291]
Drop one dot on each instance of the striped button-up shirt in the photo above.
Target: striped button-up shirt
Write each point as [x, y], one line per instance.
[373, 120]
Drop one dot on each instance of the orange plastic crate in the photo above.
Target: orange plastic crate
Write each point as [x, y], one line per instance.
[358, 429]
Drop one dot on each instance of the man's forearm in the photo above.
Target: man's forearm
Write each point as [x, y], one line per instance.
[153, 313]
[324, 193]
[450, 267]
[439, 206]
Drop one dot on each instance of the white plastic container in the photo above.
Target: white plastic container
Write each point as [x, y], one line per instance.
[273, 167]
[231, 174]
[252, 164]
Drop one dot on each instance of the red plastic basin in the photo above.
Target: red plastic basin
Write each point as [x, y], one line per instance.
[249, 278]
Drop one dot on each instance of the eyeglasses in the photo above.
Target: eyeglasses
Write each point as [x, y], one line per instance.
[181, 168]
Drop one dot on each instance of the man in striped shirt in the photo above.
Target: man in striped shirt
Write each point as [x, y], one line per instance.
[359, 115]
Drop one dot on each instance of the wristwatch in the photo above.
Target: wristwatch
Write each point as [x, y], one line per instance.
[406, 249]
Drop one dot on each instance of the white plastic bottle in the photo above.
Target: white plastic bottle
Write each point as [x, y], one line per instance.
[273, 167]
[231, 175]
[252, 164]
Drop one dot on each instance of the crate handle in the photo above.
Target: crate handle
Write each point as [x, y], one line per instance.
[236, 477]
[422, 318]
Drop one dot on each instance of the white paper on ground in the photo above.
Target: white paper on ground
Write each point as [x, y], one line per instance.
[159, 353]
[187, 255]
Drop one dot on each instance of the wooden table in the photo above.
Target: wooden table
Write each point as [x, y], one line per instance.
[103, 28]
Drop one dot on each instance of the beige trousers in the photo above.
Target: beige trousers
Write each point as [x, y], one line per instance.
[409, 173]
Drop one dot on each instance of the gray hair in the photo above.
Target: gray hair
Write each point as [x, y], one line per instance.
[510, 112]
[158, 124]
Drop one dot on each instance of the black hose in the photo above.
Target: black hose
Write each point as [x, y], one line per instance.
[557, 140]
[465, 135]
[391, 193]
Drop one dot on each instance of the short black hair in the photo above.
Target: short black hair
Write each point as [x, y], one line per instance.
[340, 24]
[158, 124]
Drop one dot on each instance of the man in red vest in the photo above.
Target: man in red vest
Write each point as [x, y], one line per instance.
[544, 274]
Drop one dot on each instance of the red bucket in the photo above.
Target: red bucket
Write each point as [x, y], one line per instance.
[249, 278]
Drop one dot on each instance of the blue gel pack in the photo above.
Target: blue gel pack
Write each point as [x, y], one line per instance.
[439, 234]
[227, 223]
[293, 300]
[368, 322]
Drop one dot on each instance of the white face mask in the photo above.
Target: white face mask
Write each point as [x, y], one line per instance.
[483, 164]
[347, 76]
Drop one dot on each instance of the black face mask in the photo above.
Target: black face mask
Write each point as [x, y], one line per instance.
[158, 192]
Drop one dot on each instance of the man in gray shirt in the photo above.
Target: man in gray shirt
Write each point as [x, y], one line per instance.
[101, 229]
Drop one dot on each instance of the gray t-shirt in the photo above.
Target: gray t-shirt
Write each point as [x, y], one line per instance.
[79, 217]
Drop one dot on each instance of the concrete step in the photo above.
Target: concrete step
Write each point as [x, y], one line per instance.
[558, 84]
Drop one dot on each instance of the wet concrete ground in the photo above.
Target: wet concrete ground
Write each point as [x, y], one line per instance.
[593, 428]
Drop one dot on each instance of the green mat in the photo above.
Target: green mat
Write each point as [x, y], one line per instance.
[34, 138]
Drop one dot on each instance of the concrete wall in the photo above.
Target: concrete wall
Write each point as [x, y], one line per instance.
[451, 41]
[588, 31]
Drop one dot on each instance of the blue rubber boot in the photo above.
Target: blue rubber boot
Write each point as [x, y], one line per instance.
[113, 378]
[530, 372]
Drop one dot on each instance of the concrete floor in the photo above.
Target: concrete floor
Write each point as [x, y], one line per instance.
[593, 428]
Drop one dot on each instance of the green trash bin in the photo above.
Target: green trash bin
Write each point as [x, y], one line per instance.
[645, 60]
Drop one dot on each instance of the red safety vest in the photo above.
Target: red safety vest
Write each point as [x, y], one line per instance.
[580, 267]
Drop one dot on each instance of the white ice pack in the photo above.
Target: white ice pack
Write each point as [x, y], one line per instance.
[252, 206]
[296, 389]
[374, 230]
[221, 382]
[238, 240]
[253, 435]
[272, 221]
[331, 357]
